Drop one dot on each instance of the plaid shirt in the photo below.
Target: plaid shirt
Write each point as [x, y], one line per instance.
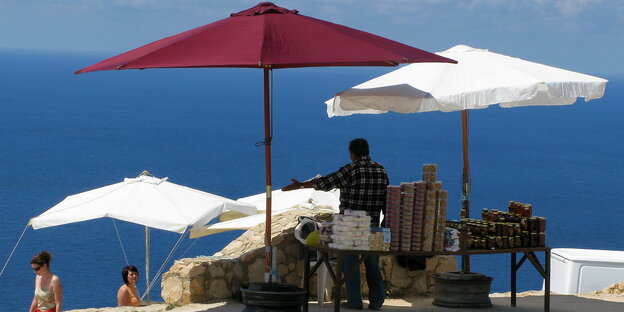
[363, 185]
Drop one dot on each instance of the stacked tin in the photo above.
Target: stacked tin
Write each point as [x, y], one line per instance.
[407, 215]
[393, 216]
[416, 213]
[420, 189]
[430, 172]
[436, 203]
[379, 239]
[440, 220]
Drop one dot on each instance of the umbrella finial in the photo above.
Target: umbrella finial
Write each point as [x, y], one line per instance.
[145, 173]
[264, 8]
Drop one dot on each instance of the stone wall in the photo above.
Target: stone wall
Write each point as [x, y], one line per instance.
[206, 279]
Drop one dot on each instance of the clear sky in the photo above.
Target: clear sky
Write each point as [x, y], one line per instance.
[580, 35]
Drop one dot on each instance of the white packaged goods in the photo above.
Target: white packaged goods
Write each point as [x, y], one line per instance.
[326, 229]
[358, 242]
[351, 230]
[347, 237]
[338, 217]
[361, 225]
[451, 239]
[357, 213]
[337, 245]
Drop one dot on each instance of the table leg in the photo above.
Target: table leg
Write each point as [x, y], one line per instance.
[338, 283]
[465, 263]
[306, 278]
[513, 279]
[547, 281]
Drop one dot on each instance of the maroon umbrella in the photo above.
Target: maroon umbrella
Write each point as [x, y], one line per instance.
[268, 37]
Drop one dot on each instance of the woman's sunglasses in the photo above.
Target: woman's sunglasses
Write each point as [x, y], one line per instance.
[37, 268]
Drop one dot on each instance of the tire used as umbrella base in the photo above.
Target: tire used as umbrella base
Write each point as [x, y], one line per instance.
[462, 290]
[261, 297]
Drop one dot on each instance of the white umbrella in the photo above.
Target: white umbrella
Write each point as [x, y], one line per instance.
[282, 202]
[479, 79]
[244, 223]
[145, 200]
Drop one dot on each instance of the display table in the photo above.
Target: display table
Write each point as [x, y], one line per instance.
[338, 279]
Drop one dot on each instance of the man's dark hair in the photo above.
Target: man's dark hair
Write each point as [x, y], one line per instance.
[359, 147]
[126, 270]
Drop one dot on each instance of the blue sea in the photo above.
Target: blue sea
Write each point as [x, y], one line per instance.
[62, 134]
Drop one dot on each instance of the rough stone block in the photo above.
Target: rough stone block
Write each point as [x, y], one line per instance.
[216, 271]
[197, 290]
[256, 271]
[282, 269]
[419, 287]
[172, 289]
[219, 289]
[238, 272]
[400, 277]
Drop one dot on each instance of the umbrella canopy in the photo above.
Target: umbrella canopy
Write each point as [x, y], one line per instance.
[282, 202]
[145, 200]
[244, 223]
[268, 37]
[480, 79]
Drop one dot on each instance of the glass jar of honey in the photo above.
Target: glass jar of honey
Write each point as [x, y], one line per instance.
[541, 224]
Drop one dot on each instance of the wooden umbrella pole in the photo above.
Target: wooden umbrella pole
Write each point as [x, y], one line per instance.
[466, 173]
[267, 157]
[465, 188]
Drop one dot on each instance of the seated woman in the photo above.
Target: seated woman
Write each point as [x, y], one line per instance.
[128, 295]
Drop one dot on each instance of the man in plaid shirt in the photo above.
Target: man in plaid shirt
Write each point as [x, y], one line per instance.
[363, 184]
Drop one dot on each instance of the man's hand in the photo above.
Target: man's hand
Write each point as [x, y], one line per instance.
[295, 185]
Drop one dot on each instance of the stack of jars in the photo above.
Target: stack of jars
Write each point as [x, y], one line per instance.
[517, 228]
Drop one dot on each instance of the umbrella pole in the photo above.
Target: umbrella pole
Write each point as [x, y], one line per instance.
[267, 157]
[466, 173]
[147, 261]
[465, 185]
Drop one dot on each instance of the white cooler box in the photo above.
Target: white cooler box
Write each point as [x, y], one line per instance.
[579, 271]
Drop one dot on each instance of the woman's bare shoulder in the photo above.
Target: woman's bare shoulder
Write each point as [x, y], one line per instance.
[123, 289]
[55, 280]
